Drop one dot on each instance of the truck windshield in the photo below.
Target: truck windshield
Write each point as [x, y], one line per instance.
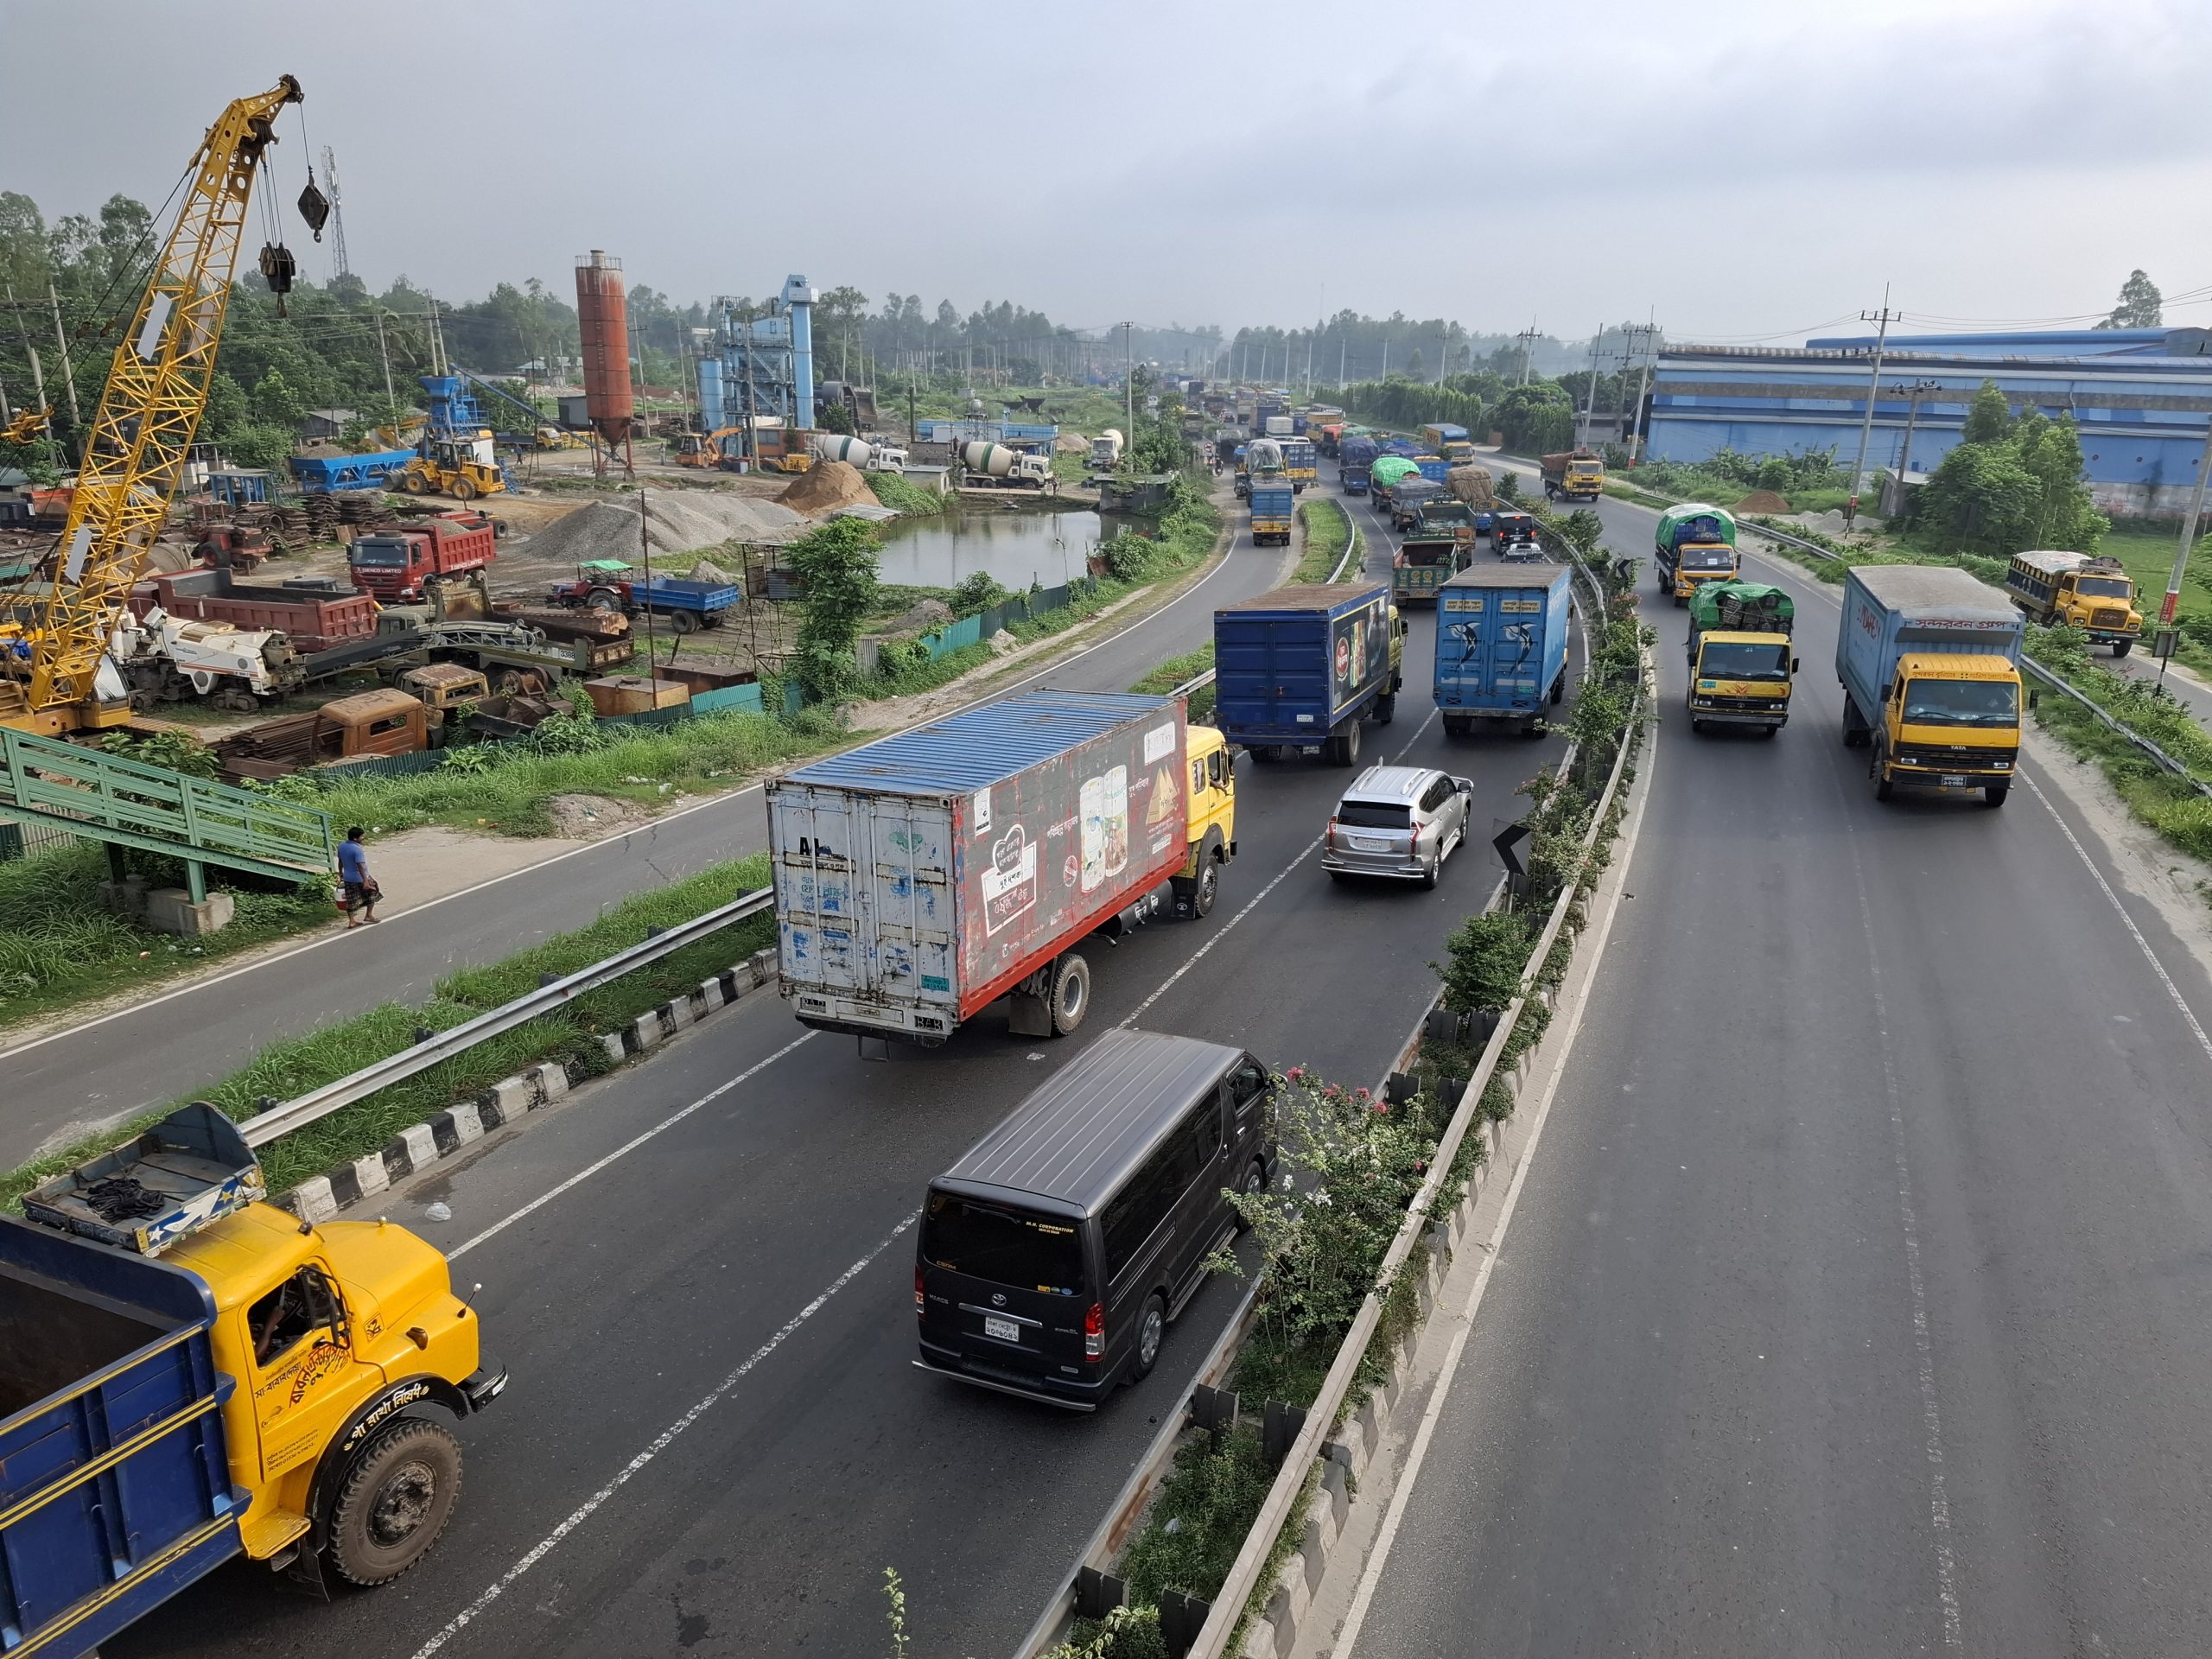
[2104, 587]
[1004, 1245]
[1739, 660]
[1962, 702]
[377, 553]
[1708, 558]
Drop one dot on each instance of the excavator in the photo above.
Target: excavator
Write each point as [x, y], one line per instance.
[56, 676]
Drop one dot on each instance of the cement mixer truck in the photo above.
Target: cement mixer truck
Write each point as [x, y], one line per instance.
[1106, 448]
[997, 467]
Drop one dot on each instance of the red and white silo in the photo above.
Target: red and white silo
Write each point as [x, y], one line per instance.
[602, 319]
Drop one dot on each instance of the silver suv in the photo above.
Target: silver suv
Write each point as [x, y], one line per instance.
[1397, 821]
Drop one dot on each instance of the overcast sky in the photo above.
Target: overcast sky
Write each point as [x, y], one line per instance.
[1748, 169]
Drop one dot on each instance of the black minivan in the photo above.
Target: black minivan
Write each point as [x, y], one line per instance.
[1053, 1256]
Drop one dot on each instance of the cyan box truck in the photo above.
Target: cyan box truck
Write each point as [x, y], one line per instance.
[1501, 645]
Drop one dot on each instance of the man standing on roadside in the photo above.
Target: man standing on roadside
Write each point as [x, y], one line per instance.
[361, 892]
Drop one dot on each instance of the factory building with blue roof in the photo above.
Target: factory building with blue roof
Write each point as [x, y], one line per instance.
[2142, 398]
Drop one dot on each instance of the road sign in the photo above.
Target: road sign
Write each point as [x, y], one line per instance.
[1506, 841]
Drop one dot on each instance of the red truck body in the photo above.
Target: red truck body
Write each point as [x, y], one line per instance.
[313, 621]
[394, 564]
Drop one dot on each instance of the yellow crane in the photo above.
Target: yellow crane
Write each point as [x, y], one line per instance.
[156, 391]
[28, 426]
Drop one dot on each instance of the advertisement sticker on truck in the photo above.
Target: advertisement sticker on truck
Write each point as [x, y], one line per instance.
[1104, 817]
[1009, 879]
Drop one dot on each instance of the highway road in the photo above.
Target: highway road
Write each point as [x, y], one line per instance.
[1859, 1300]
[699, 1273]
[148, 1055]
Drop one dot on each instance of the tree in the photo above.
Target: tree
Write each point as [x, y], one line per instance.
[2141, 305]
[2065, 515]
[1981, 500]
[836, 567]
[833, 417]
[275, 404]
[1989, 417]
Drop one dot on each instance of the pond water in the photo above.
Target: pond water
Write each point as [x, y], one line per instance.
[1015, 548]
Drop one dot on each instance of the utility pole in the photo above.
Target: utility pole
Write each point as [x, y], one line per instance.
[1386, 356]
[38, 375]
[1528, 339]
[1643, 389]
[1884, 317]
[68, 374]
[1343, 342]
[1129, 387]
[2181, 552]
[384, 352]
[1918, 389]
[1590, 403]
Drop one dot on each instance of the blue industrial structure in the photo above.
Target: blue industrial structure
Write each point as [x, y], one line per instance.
[2142, 398]
[711, 394]
[767, 363]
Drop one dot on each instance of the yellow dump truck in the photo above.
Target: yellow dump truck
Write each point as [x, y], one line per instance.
[2074, 590]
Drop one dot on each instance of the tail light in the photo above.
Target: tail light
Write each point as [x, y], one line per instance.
[1329, 836]
[920, 1284]
[1094, 1330]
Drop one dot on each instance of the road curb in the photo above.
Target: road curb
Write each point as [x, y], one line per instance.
[321, 1198]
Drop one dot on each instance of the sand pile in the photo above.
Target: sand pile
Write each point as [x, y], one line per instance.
[674, 525]
[1763, 501]
[826, 486]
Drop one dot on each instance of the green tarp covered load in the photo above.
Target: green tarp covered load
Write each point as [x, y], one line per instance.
[1742, 606]
[1390, 469]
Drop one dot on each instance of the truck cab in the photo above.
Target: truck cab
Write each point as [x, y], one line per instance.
[2073, 590]
[1694, 544]
[1212, 818]
[1738, 650]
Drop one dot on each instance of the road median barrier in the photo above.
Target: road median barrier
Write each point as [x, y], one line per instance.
[1479, 1058]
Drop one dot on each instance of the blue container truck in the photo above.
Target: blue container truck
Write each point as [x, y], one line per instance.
[1432, 467]
[1929, 658]
[1300, 667]
[1354, 457]
[1501, 645]
[1272, 508]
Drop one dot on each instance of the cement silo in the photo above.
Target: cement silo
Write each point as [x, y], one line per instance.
[602, 321]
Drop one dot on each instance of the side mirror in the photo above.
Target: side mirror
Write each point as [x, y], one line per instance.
[1793, 664]
[2035, 697]
[1887, 689]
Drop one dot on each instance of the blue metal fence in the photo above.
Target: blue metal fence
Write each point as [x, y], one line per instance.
[1020, 607]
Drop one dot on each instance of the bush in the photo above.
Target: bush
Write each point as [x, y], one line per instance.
[1484, 957]
[976, 594]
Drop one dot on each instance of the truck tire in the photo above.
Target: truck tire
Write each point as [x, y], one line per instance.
[1206, 889]
[1853, 733]
[1343, 743]
[2119, 648]
[683, 621]
[1069, 998]
[1883, 789]
[1994, 795]
[464, 489]
[1559, 688]
[396, 1499]
[1386, 707]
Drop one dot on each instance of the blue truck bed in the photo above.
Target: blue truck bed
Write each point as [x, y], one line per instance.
[680, 593]
[1299, 664]
[1891, 609]
[104, 1352]
[1500, 644]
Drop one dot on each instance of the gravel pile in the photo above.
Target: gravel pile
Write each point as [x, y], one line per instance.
[674, 525]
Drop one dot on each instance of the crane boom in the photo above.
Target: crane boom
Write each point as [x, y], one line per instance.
[156, 391]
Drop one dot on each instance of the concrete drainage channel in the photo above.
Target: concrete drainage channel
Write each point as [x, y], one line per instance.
[1302, 1438]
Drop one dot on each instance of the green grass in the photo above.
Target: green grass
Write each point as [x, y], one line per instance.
[1328, 528]
[1176, 670]
[59, 950]
[893, 491]
[288, 1069]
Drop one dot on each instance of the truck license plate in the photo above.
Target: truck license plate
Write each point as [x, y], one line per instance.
[1952, 780]
[1004, 1329]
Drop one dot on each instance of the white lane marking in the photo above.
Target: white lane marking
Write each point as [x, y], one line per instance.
[2141, 943]
[1931, 1416]
[625, 1149]
[590, 846]
[1409, 1474]
[660, 1443]
[1252, 904]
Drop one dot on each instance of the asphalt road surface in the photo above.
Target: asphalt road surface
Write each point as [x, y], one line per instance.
[1859, 1300]
[715, 1440]
[148, 1055]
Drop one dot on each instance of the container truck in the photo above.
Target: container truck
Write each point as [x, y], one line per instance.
[1354, 456]
[1277, 426]
[1300, 667]
[1740, 666]
[189, 1374]
[2073, 590]
[1501, 645]
[1422, 566]
[923, 876]
[1272, 507]
[1450, 440]
[1573, 475]
[1299, 460]
[1929, 658]
[1694, 543]
[1433, 468]
[395, 565]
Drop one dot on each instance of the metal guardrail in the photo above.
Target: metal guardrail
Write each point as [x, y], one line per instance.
[1228, 1608]
[2119, 727]
[282, 1120]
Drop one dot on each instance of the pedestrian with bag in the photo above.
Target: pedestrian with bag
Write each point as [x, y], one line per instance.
[360, 887]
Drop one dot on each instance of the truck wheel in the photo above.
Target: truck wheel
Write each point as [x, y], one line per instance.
[1207, 890]
[464, 489]
[1883, 789]
[1697, 725]
[1852, 735]
[2119, 648]
[395, 1501]
[1070, 994]
[683, 621]
[1994, 794]
[1559, 688]
[1385, 707]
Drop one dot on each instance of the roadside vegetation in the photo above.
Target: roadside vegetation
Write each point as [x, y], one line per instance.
[1328, 529]
[1176, 670]
[286, 1069]
[1355, 1161]
[911, 499]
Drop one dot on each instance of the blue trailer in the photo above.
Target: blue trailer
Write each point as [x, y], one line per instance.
[1354, 457]
[1501, 645]
[1300, 667]
[1272, 509]
[1432, 467]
